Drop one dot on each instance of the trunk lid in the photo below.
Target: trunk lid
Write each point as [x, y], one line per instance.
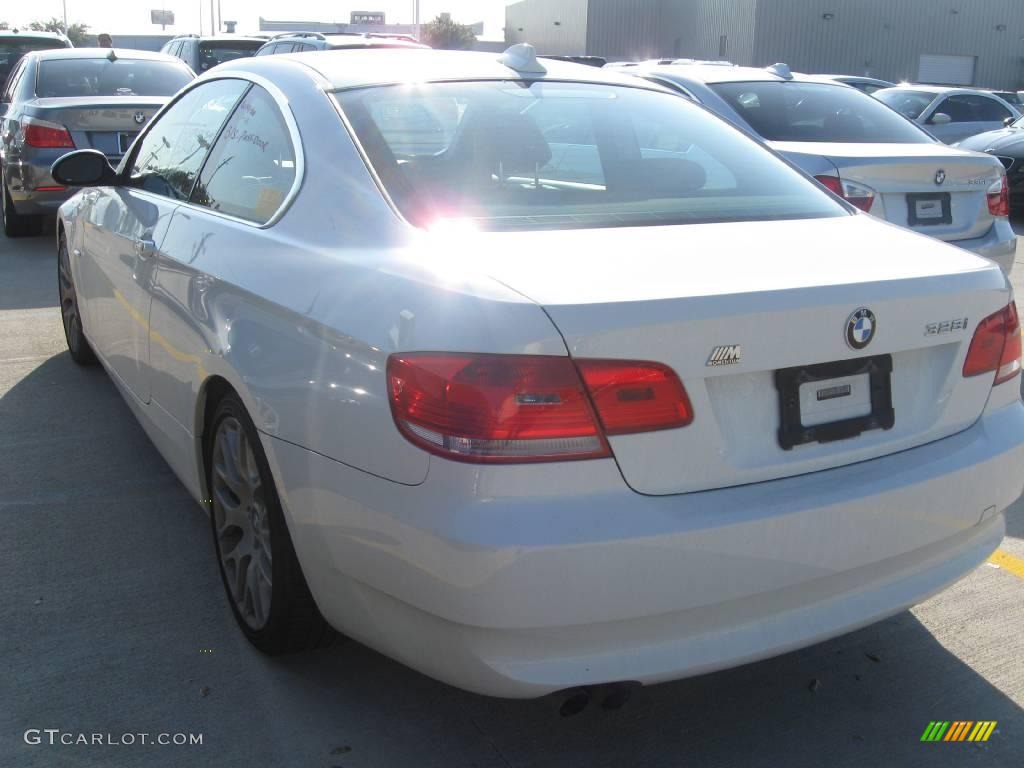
[108, 124]
[904, 175]
[778, 295]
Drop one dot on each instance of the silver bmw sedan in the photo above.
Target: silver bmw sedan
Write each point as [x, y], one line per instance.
[534, 376]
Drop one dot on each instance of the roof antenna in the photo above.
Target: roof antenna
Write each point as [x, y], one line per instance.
[522, 57]
[111, 56]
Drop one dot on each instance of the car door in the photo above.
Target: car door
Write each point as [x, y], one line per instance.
[245, 183]
[125, 225]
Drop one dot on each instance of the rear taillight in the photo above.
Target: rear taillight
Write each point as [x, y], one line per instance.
[855, 194]
[996, 346]
[517, 408]
[635, 396]
[999, 197]
[44, 135]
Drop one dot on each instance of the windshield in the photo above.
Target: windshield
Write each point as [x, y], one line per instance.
[558, 155]
[102, 77]
[212, 53]
[12, 49]
[910, 104]
[798, 111]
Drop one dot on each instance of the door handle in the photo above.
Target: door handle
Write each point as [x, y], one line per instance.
[144, 247]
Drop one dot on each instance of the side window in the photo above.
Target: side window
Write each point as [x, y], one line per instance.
[171, 153]
[990, 110]
[252, 166]
[959, 108]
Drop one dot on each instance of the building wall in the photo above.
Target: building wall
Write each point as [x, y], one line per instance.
[625, 29]
[533, 21]
[885, 38]
[694, 29]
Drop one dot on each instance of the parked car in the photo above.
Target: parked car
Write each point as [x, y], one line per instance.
[950, 114]
[866, 84]
[14, 44]
[1012, 98]
[861, 150]
[203, 53]
[301, 42]
[1007, 144]
[60, 99]
[591, 387]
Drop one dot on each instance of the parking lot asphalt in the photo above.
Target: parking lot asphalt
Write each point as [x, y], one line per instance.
[113, 621]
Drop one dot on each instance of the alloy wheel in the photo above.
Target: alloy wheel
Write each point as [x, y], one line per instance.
[242, 523]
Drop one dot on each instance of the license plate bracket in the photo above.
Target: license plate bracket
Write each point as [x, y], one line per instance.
[929, 209]
[788, 381]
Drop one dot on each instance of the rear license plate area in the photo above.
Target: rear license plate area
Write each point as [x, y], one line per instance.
[834, 401]
[124, 141]
[931, 209]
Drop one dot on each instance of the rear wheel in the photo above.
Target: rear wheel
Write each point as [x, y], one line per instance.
[70, 315]
[17, 224]
[261, 574]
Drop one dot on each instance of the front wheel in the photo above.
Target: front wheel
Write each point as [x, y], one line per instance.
[261, 573]
[70, 314]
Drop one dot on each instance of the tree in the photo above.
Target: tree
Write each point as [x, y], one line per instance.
[78, 34]
[445, 33]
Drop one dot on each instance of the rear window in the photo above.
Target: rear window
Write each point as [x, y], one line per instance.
[517, 155]
[817, 112]
[12, 49]
[212, 53]
[102, 77]
[910, 104]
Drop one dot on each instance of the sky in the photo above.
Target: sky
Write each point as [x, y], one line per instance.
[132, 16]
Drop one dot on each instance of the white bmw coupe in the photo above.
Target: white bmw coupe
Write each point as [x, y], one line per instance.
[532, 376]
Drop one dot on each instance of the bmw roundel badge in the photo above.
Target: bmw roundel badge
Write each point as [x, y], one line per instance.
[139, 117]
[860, 328]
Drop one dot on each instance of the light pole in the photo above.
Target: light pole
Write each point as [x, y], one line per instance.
[416, 18]
[65, 4]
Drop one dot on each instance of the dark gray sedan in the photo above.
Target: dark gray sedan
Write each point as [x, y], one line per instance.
[73, 98]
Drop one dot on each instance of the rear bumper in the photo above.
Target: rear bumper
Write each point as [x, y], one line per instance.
[544, 577]
[1000, 245]
[25, 180]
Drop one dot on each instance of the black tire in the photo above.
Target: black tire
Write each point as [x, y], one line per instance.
[17, 224]
[293, 622]
[70, 314]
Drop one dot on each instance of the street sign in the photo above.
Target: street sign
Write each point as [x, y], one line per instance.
[162, 17]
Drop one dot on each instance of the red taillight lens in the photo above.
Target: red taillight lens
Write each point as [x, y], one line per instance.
[494, 407]
[46, 135]
[999, 198]
[832, 183]
[635, 396]
[996, 346]
[856, 194]
[516, 408]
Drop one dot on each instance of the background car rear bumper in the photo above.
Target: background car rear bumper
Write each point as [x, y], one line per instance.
[1000, 245]
[520, 583]
[25, 179]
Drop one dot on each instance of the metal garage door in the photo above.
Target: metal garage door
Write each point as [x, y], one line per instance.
[946, 70]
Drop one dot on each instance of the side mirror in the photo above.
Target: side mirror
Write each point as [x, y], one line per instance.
[1008, 121]
[940, 118]
[83, 168]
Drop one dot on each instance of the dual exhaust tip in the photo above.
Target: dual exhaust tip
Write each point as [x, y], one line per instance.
[611, 696]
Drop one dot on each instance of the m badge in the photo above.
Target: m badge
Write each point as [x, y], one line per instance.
[725, 355]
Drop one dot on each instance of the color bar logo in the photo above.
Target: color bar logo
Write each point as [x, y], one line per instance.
[958, 730]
